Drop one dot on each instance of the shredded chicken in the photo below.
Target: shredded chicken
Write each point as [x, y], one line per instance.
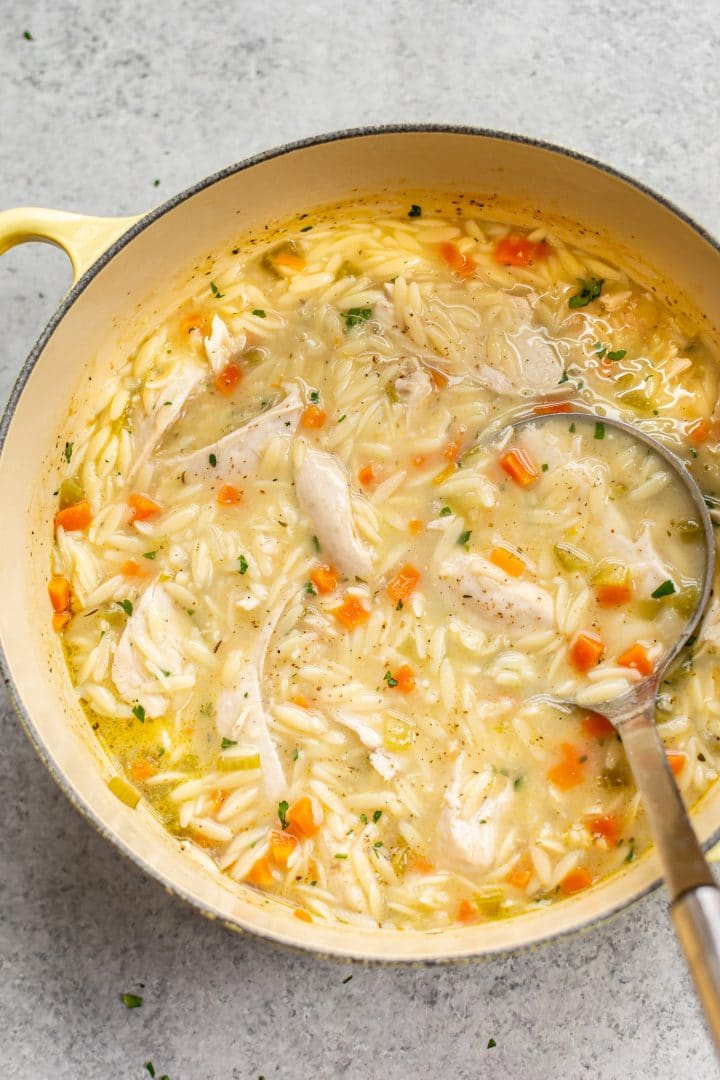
[500, 602]
[170, 402]
[413, 385]
[531, 364]
[469, 838]
[220, 346]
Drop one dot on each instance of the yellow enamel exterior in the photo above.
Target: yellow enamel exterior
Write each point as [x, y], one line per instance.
[124, 296]
[82, 237]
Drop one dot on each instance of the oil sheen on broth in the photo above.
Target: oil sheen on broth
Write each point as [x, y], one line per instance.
[306, 598]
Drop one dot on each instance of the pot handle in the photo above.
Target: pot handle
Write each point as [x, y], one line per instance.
[82, 238]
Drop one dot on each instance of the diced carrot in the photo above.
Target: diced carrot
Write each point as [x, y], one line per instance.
[452, 257]
[676, 761]
[514, 249]
[637, 657]
[404, 679]
[403, 584]
[586, 651]
[282, 845]
[351, 613]
[60, 619]
[367, 474]
[415, 527]
[227, 379]
[597, 726]
[569, 771]
[228, 495]
[304, 817]
[142, 770]
[131, 568]
[261, 873]
[74, 518]
[419, 460]
[313, 417]
[575, 881]
[303, 915]
[520, 467]
[300, 701]
[521, 872]
[438, 378]
[547, 408]
[614, 595]
[194, 321]
[325, 578]
[421, 865]
[289, 260]
[452, 450]
[699, 431]
[142, 507]
[507, 560]
[606, 826]
[60, 593]
[466, 911]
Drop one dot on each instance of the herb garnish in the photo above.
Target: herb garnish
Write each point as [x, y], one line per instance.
[464, 537]
[149, 554]
[347, 979]
[131, 1001]
[283, 808]
[590, 290]
[314, 396]
[389, 679]
[212, 459]
[491, 1043]
[215, 291]
[445, 512]
[377, 815]
[619, 354]
[296, 754]
[243, 563]
[150, 1067]
[563, 378]
[355, 315]
[28, 36]
[310, 588]
[258, 311]
[139, 712]
[666, 589]
[68, 451]
[340, 855]
[599, 430]
[415, 211]
[227, 743]
[572, 429]
[631, 854]
[544, 467]
[126, 605]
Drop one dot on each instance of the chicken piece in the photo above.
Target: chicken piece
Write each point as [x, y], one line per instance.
[413, 385]
[530, 363]
[467, 835]
[385, 764]
[501, 603]
[220, 347]
[323, 491]
[240, 712]
[152, 643]
[238, 454]
[169, 404]
[647, 568]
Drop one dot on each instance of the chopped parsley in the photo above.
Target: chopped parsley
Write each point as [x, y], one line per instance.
[667, 588]
[599, 430]
[227, 743]
[68, 451]
[126, 605]
[306, 228]
[619, 354]
[212, 459]
[310, 588]
[389, 679]
[296, 754]
[315, 542]
[156, 183]
[491, 1044]
[259, 313]
[364, 819]
[445, 512]
[572, 429]
[283, 808]
[340, 855]
[139, 712]
[377, 815]
[589, 290]
[631, 854]
[563, 378]
[544, 467]
[600, 349]
[150, 1067]
[464, 537]
[355, 315]
[149, 554]
[27, 35]
[399, 606]
[131, 1001]
[518, 782]
[343, 417]
[415, 211]
[314, 396]
[243, 564]
[346, 979]
[215, 291]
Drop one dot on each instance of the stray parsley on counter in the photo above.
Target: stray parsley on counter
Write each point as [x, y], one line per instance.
[131, 1001]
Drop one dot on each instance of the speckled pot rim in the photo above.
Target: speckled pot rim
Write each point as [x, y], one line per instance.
[127, 237]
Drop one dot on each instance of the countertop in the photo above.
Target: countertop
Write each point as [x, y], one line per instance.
[109, 108]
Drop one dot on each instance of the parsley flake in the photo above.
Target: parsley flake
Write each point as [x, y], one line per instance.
[227, 743]
[491, 1044]
[68, 451]
[315, 542]
[28, 36]
[131, 1001]
[377, 815]
[389, 679]
[355, 315]
[139, 712]
[314, 396]
[599, 430]
[150, 1067]
[212, 459]
[283, 808]
[563, 378]
[619, 354]
[126, 605]
[667, 588]
[464, 537]
[589, 290]
[215, 291]
[149, 554]
[310, 588]
[296, 754]
[544, 467]
[415, 211]
[445, 512]
[340, 855]
[243, 564]
[259, 313]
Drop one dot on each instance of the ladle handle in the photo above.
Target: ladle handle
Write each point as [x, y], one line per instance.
[695, 899]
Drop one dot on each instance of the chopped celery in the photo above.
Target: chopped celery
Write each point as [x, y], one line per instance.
[123, 790]
[238, 758]
[571, 557]
[347, 269]
[489, 901]
[71, 492]
[398, 734]
[391, 392]
[638, 399]
[649, 608]
[611, 572]
[399, 859]
[686, 600]
[618, 776]
[689, 528]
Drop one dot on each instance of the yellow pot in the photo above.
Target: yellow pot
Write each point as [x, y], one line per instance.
[126, 272]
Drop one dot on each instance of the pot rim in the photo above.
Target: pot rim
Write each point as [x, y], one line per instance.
[139, 226]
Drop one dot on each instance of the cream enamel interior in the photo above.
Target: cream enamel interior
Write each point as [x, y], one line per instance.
[118, 306]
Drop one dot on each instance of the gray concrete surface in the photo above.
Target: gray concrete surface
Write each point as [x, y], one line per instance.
[106, 99]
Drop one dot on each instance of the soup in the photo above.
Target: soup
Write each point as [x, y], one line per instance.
[310, 582]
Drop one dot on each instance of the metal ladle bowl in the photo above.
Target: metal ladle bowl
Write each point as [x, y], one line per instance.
[694, 896]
